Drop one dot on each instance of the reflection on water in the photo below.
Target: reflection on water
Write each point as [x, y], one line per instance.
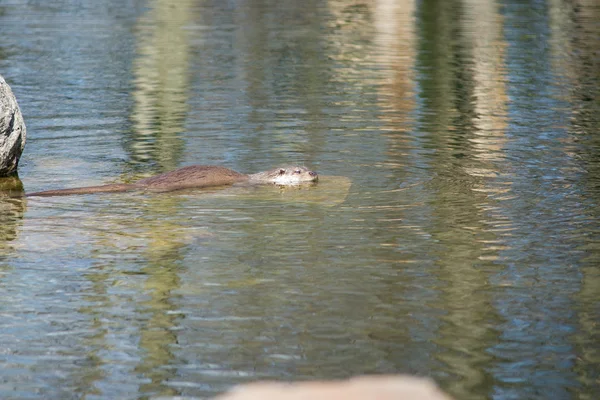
[161, 81]
[161, 92]
[453, 232]
[12, 208]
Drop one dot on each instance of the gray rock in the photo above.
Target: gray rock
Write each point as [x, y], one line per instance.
[12, 130]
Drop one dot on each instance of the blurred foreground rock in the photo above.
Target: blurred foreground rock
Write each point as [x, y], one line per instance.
[366, 387]
[12, 130]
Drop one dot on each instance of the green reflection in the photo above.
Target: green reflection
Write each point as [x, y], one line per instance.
[161, 85]
[464, 92]
[161, 95]
[12, 208]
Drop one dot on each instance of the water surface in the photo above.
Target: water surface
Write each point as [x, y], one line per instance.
[457, 236]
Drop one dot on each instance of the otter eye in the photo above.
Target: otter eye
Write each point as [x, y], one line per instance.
[297, 171]
[281, 171]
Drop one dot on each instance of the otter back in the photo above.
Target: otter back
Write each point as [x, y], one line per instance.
[194, 176]
[197, 176]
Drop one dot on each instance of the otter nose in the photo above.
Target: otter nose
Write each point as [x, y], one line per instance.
[312, 173]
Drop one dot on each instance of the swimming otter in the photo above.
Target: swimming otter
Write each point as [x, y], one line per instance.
[197, 176]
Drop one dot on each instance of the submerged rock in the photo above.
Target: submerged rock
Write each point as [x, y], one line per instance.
[12, 130]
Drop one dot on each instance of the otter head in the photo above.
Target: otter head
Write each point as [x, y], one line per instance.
[291, 175]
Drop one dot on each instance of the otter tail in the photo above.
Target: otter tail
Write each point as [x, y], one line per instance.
[114, 188]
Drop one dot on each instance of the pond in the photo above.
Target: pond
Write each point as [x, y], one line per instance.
[454, 234]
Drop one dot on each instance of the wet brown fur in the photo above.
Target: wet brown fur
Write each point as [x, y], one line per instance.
[195, 176]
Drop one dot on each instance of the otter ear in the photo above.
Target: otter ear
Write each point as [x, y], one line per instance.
[281, 171]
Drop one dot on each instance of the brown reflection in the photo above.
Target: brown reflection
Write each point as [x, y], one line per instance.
[292, 63]
[396, 50]
[166, 249]
[575, 48]
[160, 238]
[482, 26]
[161, 93]
[96, 343]
[161, 83]
[586, 125]
[12, 208]
[464, 93]
[164, 241]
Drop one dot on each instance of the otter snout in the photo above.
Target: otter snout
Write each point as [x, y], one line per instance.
[289, 175]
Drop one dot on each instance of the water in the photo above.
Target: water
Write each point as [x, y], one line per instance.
[455, 233]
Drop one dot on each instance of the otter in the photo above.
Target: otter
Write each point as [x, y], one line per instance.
[195, 177]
